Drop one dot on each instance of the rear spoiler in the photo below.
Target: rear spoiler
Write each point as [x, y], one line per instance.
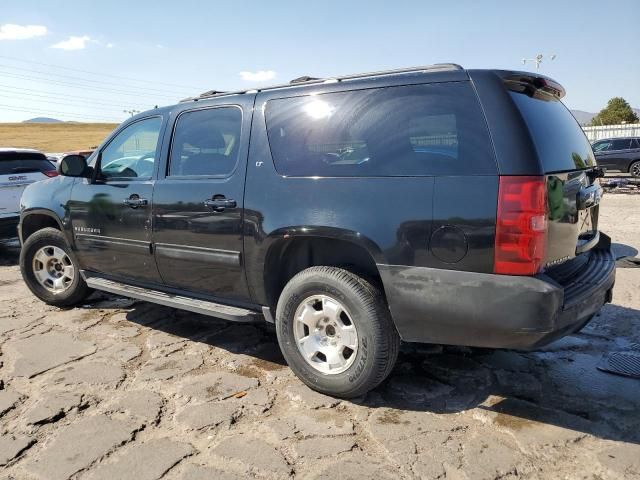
[533, 84]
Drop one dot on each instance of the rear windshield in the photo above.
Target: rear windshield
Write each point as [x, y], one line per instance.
[24, 162]
[559, 140]
[393, 131]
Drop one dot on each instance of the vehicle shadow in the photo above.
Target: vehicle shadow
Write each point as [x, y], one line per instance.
[557, 386]
[9, 252]
[620, 250]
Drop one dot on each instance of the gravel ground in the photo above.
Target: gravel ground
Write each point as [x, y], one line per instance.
[124, 389]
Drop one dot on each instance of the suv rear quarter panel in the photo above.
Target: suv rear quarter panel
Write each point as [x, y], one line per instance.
[393, 218]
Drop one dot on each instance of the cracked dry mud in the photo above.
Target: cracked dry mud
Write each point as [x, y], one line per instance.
[124, 389]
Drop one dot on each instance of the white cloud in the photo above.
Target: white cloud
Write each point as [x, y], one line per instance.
[10, 31]
[109, 45]
[259, 76]
[72, 43]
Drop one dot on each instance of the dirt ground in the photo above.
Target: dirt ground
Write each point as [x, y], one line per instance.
[124, 389]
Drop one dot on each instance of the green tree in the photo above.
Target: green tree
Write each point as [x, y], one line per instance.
[616, 112]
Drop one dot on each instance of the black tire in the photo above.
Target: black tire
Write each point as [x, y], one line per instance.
[77, 290]
[634, 169]
[378, 340]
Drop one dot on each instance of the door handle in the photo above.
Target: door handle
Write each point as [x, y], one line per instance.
[134, 201]
[219, 203]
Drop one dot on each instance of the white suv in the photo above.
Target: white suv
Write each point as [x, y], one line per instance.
[19, 167]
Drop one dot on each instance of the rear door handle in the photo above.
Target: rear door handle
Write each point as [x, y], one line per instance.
[134, 201]
[219, 203]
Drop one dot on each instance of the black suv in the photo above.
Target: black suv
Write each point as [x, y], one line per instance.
[621, 154]
[431, 204]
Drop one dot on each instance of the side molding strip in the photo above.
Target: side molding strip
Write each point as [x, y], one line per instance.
[227, 258]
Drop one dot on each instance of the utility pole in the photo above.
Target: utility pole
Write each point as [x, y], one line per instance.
[131, 112]
[538, 59]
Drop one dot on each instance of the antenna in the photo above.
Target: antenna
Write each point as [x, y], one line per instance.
[538, 59]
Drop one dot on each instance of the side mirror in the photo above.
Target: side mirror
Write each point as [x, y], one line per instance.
[73, 166]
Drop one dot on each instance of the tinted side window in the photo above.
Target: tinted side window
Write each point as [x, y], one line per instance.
[394, 131]
[206, 142]
[621, 144]
[602, 146]
[636, 144]
[132, 153]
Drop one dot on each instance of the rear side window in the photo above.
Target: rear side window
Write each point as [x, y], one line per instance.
[393, 131]
[621, 144]
[206, 142]
[560, 142]
[24, 163]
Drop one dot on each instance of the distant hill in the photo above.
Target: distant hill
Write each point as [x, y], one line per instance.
[42, 120]
[584, 118]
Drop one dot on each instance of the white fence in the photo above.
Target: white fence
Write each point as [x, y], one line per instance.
[612, 131]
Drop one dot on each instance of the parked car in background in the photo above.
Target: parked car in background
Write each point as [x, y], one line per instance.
[19, 167]
[431, 204]
[619, 154]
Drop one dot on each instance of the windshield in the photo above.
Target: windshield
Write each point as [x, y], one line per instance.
[559, 140]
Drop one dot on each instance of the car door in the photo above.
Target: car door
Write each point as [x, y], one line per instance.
[613, 155]
[111, 213]
[198, 204]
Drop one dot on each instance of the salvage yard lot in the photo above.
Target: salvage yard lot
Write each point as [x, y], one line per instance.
[54, 137]
[120, 388]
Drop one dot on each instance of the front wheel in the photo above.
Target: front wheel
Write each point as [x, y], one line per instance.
[335, 331]
[50, 270]
[634, 169]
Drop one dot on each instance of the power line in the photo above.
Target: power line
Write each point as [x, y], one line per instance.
[80, 102]
[100, 73]
[39, 112]
[55, 94]
[71, 84]
[148, 89]
[59, 103]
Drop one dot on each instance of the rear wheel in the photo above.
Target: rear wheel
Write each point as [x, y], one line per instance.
[336, 332]
[634, 168]
[50, 270]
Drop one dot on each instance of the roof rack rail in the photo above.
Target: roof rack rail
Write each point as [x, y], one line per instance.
[306, 80]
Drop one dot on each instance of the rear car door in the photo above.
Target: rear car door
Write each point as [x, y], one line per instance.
[198, 201]
[614, 154]
[566, 158]
[111, 214]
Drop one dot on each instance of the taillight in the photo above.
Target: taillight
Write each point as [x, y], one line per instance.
[51, 173]
[521, 225]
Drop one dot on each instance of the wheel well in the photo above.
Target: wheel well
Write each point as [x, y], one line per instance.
[37, 221]
[289, 257]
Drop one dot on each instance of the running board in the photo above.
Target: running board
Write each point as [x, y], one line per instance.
[203, 307]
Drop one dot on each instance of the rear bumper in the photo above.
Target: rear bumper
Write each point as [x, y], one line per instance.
[9, 226]
[498, 311]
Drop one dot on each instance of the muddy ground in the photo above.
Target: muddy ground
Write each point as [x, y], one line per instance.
[124, 389]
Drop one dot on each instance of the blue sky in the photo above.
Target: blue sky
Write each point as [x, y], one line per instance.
[86, 60]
